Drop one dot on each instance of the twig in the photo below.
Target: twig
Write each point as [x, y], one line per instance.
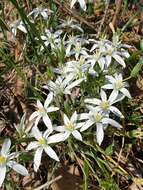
[73, 14]
[103, 19]
[118, 8]
[48, 183]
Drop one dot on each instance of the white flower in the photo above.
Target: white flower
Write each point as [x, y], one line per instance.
[70, 127]
[100, 120]
[51, 39]
[118, 85]
[6, 160]
[40, 11]
[77, 68]
[81, 2]
[22, 129]
[112, 52]
[42, 144]
[72, 40]
[42, 112]
[62, 85]
[96, 57]
[78, 50]
[17, 25]
[104, 105]
[70, 23]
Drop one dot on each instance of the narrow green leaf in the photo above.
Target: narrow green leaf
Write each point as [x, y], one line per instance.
[137, 68]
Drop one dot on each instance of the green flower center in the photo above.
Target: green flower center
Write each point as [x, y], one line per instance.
[97, 117]
[2, 160]
[42, 141]
[104, 105]
[118, 85]
[69, 127]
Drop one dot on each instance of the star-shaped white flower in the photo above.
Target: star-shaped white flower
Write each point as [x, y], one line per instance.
[6, 160]
[100, 120]
[42, 112]
[70, 127]
[18, 24]
[118, 85]
[42, 144]
[62, 85]
[104, 105]
[40, 11]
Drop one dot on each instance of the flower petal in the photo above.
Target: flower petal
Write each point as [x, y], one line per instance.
[56, 138]
[33, 115]
[66, 119]
[87, 125]
[52, 109]
[74, 117]
[2, 174]
[125, 92]
[111, 122]
[48, 100]
[18, 168]
[51, 153]
[77, 135]
[39, 104]
[47, 122]
[99, 133]
[117, 112]
[5, 147]
[36, 133]
[32, 145]
[103, 95]
[37, 158]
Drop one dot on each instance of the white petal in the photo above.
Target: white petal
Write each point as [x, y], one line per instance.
[107, 86]
[2, 174]
[52, 109]
[66, 119]
[73, 117]
[18, 168]
[37, 120]
[48, 100]
[32, 145]
[111, 122]
[47, 122]
[113, 96]
[108, 60]
[36, 133]
[116, 111]
[87, 125]
[82, 4]
[73, 84]
[94, 101]
[5, 147]
[110, 79]
[51, 153]
[77, 135]
[119, 60]
[59, 128]
[102, 62]
[99, 133]
[56, 138]
[103, 95]
[39, 104]
[37, 158]
[83, 116]
[33, 115]
[79, 125]
[125, 92]
[22, 28]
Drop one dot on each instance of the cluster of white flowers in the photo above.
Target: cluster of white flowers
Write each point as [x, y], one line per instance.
[84, 58]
